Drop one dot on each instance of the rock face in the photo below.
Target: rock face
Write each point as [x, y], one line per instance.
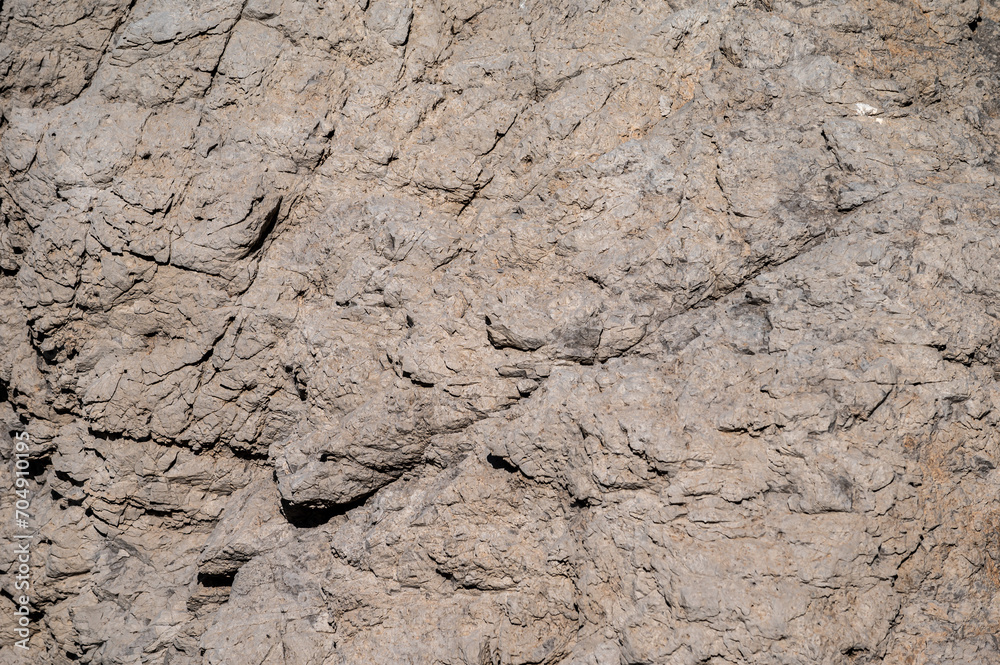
[474, 333]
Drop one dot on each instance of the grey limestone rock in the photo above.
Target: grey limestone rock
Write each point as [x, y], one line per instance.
[501, 333]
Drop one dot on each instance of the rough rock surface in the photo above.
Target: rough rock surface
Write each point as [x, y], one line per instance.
[471, 332]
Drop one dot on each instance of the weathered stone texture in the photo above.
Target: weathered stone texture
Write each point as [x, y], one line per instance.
[570, 332]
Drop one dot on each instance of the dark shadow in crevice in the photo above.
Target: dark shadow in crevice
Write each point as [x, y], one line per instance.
[65, 477]
[34, 614]
[243, 453]
[501, 464]
[57, 497]
[104, 436]
[165, 513]
[312, 515]
[37, 467]
[216, 580]
[417, 382]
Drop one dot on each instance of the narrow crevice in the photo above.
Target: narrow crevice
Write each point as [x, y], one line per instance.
[104, 436]
[229, 36]
[165, 513]
[314, 514]
[106, 49]
[417, 382]
[270, 221]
